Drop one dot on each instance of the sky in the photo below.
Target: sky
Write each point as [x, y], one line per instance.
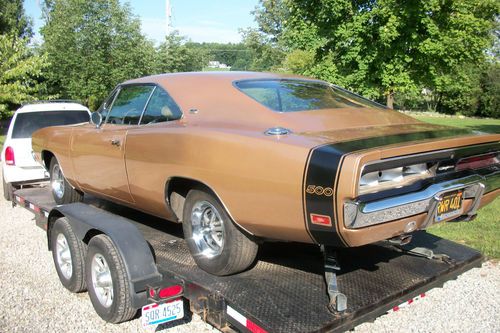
[199, 20]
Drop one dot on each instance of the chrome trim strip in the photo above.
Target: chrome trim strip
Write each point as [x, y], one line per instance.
[362, 214]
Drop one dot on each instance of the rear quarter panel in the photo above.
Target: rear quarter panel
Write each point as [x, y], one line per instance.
[55, 139]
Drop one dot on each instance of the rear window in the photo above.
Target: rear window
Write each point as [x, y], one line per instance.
[297, 95]
[26, 123]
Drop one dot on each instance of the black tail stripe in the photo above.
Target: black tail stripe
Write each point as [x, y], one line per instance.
[322, 168]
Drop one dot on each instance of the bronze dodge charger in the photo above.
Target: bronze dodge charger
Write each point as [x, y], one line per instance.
[239, 158]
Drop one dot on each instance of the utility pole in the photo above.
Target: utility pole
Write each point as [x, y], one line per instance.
[169, 17]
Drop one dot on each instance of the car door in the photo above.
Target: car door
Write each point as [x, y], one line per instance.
[98, 154]
[148, 153]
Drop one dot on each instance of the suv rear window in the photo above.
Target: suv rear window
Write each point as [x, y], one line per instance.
[299, 95]
[26, 123]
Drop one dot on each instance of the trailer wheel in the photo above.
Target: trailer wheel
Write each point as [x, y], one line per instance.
[108, 282]
[217, 245]
[68, 253]
[8, 190]
[62, 191]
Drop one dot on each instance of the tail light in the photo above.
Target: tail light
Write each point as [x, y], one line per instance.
[382, 179]
[477, 162]
[170, 291]
[9, 156]
[159, 293]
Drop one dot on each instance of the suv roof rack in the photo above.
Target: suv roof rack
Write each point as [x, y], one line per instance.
[51, 101]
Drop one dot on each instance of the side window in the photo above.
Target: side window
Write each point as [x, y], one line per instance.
[106, 105]
[128, 106]
[161, 107]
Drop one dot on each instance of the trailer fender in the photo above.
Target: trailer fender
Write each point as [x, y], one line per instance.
[135, 251]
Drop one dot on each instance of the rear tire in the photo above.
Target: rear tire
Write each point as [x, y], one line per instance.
[62, 191]
[68, 253]
[217, 245]
[108, 281]
[8, 190]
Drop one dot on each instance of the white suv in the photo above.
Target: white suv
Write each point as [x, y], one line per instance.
[18, 165]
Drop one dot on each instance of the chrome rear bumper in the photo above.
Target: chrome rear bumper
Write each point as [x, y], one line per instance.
[363, 214]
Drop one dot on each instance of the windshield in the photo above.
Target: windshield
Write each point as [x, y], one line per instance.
[26, 123]
[298, 95]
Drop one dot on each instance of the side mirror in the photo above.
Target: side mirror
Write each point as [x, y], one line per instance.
[96, 119]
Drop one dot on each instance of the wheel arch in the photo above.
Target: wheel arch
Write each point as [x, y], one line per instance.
[46, 156]
[179, 187]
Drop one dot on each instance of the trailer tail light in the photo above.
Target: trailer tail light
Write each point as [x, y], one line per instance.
[9, 156]
[477, 162]
[170, 291]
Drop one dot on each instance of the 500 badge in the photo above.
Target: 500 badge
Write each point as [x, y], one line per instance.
[319, 190]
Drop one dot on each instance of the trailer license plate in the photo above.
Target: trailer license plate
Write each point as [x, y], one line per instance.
[450, 206]
[154, 314]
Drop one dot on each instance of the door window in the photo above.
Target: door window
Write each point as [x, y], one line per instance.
[129, 104]
[161, 107]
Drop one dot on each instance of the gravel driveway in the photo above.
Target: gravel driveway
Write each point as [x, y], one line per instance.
[33, 300]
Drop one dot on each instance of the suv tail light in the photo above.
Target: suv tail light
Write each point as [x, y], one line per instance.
[477, 162]
[9, 156]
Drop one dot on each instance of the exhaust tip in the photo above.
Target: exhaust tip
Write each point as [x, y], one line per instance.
[401, 240]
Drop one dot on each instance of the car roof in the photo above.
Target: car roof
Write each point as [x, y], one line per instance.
[212, 97]
[52, 106]
[223, 76]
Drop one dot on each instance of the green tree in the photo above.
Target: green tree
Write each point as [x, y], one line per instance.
[385, 47]
[92, 46]
[175, 55]
[266, 55]
[13, 20]
[236, 55]
[20, 70]
[489, 95]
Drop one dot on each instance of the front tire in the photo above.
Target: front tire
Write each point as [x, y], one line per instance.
[62, 191]
[108, 282]
[68, 253]
[217, 245]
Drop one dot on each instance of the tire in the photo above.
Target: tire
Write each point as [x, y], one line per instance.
[62, 191]
[222, 249]
[68, 253]
[8, 190]
[110, 296]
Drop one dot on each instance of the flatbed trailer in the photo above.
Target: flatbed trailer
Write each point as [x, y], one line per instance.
[285, 290]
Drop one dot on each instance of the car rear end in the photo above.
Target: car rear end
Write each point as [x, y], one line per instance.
[18, 164]
[369, 189]
[396, 190]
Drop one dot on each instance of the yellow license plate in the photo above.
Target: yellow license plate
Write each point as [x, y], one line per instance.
[450, 206]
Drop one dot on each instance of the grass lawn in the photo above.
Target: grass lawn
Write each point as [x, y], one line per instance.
[483, 233]
[2, 140]
[484, 125]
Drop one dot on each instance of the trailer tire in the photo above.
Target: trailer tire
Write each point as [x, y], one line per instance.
[217, 245]
[108, 281]
[8, 190]
[70, 267]
[62, 191]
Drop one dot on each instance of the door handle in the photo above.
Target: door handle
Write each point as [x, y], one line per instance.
[115, 142]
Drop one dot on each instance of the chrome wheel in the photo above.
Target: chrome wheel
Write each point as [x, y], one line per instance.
[63, 255]
[208, 229]
[57, 181]
[102, 280]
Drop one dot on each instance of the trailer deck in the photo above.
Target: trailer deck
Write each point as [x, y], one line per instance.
[285, 290]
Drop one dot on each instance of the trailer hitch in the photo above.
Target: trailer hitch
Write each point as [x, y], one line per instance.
[338, 301]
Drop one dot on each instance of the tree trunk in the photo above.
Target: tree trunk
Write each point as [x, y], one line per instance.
[390, 99]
